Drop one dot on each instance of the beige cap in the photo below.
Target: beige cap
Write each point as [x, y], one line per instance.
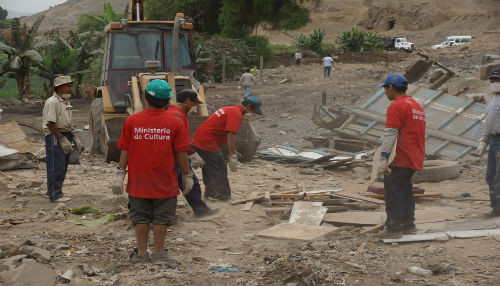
[60, 80]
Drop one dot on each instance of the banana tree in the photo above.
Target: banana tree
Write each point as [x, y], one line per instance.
[22, 50]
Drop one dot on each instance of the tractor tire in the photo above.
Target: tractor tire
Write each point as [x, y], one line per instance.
[96, 111]
[436, 171]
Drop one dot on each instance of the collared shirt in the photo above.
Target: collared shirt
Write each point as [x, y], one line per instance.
[247, 79]
[213, 132]
[58, 111]
[492, 126]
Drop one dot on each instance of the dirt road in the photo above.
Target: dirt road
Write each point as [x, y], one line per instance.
[343, 257]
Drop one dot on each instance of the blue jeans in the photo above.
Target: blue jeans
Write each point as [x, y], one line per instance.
[214, 175]
[194, 197]
[247, 91]
[57, 165]
[399, 199]
[493, 173]
[326, 71]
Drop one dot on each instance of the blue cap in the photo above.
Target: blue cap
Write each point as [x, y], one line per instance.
[395, 80]
[158, 88]
[254, 102]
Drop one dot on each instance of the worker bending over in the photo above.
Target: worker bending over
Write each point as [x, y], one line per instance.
[221, 127]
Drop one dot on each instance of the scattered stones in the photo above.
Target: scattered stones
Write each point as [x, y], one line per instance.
[31, 273]
[35, 252]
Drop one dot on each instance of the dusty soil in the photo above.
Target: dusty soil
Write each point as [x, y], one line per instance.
[343, 257]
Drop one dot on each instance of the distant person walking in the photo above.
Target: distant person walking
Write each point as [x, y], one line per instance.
[246, 80]
[327, 65]
[298, 57]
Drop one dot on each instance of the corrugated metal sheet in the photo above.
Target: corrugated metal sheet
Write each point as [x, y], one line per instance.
[454, 124]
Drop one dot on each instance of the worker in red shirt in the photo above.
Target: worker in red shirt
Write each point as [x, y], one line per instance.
[187, 99]
[221, 127]
[152, 141]
[405, 127]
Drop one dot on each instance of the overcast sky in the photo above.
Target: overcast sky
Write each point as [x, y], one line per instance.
[29, 6]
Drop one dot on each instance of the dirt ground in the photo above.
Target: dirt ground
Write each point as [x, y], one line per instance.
[342, 257]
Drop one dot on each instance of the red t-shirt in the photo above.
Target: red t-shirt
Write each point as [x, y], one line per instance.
[178, 112]
[407, 116]
[151, 138]
[213, 132]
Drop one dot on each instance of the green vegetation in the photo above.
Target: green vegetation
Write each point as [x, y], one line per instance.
[360, 41]
[310, 42]
[22, 51]
[97, 22]
[231, 18]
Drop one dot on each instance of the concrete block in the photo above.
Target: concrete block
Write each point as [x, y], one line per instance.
[35, 252]
[31, 273]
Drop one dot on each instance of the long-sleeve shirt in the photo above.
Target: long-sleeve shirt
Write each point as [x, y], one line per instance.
[492, 126]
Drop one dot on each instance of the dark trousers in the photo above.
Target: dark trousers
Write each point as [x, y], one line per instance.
[194, 197]
[214, 175]
[57, 165]
[399, 199]
[493, 173]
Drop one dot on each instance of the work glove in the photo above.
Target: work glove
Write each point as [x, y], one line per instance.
[482, 148]
[78, 144]
[233, 162]
[196, 161]
[382, 168]
[65, 145]
[117, 183]
[187, 183]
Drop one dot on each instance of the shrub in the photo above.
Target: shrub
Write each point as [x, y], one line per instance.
[259, 46]
[360, 41]
[310, 42]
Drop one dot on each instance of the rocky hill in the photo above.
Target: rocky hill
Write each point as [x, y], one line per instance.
[65, 16]
[422, 21]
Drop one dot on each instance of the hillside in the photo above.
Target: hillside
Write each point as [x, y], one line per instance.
[65, 16]
[411, 18]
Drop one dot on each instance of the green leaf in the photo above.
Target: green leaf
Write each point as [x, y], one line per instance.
[7, 49]
[15, 63]
[33, 55]
[95, 222]
[85, 210]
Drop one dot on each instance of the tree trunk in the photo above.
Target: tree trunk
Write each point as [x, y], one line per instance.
[24, 84]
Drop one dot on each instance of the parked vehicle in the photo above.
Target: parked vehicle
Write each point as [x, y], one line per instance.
[459, 39]
[399, 44]
[453, 41]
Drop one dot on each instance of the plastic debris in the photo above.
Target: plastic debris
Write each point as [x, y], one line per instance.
[225, 269]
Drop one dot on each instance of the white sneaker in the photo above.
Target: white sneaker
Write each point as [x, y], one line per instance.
[63, 199]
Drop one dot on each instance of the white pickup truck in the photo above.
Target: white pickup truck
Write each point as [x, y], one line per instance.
[398, 44]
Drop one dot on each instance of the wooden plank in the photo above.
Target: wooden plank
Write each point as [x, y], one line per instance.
[473, 233]
[13, 137]
[372, 229]
[267, 199]
[296, 231]
[359, 197]
[373, 218]
[336, 209]
[310, 213]
[291, 196]
[415, 195]
[249, 204]
[259, 198]
[416, 237]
